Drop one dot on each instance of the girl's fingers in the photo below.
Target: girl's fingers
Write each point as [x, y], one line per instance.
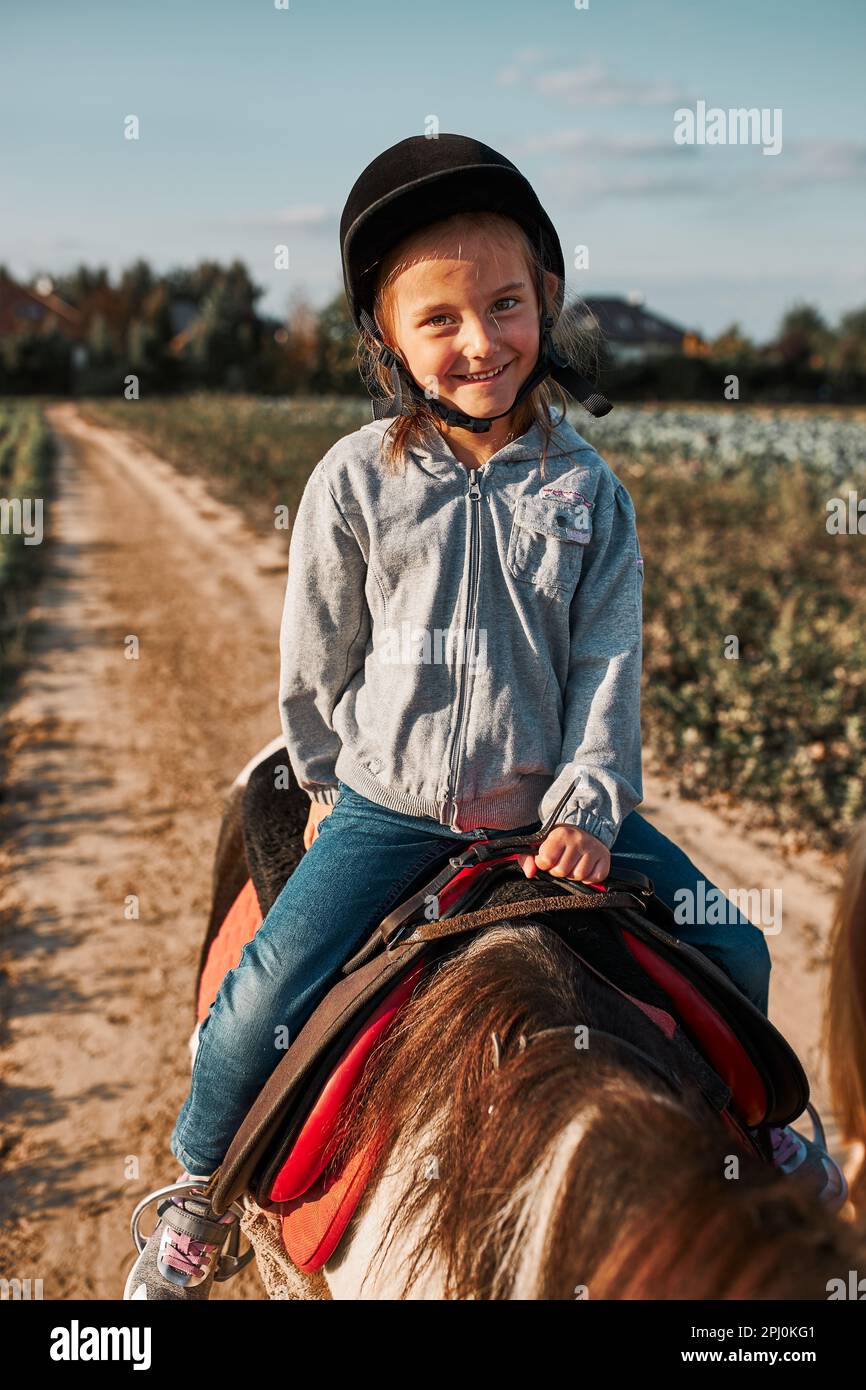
[584, 870]
[528, 865]
[564, 865]
[588, 866]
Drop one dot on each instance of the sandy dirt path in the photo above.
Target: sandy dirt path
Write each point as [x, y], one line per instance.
[117, 770]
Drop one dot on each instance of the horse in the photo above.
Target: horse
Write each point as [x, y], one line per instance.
[513, 1164]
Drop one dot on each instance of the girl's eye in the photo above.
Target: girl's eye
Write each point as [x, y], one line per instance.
[508, 301]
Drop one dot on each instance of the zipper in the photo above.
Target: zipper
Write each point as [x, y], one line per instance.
[473, 496]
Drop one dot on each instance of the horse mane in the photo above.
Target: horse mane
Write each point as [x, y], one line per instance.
[559, 1172]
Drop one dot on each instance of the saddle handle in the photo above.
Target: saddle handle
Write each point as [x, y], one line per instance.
[626, 880]
[481, 917]
[492, 849]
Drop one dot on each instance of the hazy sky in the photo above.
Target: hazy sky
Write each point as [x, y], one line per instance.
[255, 121]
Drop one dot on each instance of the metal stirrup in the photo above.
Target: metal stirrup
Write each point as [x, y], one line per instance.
[230, 1263]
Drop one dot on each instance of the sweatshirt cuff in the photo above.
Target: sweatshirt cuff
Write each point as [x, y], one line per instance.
[593, 824]
[322, 795]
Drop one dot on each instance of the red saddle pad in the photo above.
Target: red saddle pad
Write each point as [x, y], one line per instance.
[239, 926]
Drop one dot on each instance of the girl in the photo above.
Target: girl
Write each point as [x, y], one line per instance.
[468, 514]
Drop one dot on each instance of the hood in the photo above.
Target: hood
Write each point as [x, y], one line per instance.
[565, 440]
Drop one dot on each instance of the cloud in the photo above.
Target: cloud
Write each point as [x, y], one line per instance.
[588, 86]
[586, 159]
[637, 185]
[312, 218]
[607, 146]
[822, 161]
[592, 86]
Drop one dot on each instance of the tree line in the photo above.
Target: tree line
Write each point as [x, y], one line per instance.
[199, 328]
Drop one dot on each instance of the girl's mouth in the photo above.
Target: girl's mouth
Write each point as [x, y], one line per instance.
[480, 377]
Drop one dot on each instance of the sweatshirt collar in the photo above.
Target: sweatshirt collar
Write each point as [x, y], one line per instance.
[438, 457]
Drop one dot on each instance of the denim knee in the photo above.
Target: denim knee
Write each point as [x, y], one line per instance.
[754, 964]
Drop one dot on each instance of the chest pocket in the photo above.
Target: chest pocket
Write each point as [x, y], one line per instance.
[548, 541]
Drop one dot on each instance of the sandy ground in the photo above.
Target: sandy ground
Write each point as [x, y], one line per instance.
[117, 769]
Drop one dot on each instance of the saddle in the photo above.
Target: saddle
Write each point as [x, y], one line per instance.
[619, 930]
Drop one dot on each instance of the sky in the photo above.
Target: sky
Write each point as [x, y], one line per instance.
[256, 117]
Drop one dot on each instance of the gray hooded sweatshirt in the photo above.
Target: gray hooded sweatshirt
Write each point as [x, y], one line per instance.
[466, 644]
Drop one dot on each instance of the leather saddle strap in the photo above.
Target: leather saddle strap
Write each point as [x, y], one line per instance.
[406, 909]
[468, 921]
[189, 1223]
[391, 925]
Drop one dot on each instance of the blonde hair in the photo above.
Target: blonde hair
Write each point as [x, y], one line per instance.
[845, 1017]
[577, 344]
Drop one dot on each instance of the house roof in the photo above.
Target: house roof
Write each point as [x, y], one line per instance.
[623, 322]
[21, 308]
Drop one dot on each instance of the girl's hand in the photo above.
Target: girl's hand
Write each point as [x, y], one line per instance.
[318, 811]
[569, 853]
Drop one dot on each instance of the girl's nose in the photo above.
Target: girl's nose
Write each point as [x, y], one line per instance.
[479, 338]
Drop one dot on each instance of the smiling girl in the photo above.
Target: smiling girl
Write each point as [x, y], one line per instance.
[469, 505]
[460, 330]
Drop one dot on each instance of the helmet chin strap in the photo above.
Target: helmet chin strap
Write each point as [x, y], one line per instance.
[550, 362]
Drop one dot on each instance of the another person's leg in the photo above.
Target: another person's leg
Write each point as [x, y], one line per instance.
[736, 945]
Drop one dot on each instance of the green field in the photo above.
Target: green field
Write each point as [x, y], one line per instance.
[732, 515]
[25, 461]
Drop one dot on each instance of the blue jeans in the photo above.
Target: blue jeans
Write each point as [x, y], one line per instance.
[355, 871]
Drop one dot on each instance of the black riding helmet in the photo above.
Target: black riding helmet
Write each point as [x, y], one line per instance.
[419, 181]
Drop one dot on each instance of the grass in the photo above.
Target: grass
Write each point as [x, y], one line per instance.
[257, 452]
[26, 455]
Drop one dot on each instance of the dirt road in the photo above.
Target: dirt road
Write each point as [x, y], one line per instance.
[117, 770]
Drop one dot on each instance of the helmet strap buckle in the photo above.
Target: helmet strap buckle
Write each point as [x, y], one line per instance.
[387, 356]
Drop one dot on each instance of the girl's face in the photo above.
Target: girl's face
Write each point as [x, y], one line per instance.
[468, 328]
